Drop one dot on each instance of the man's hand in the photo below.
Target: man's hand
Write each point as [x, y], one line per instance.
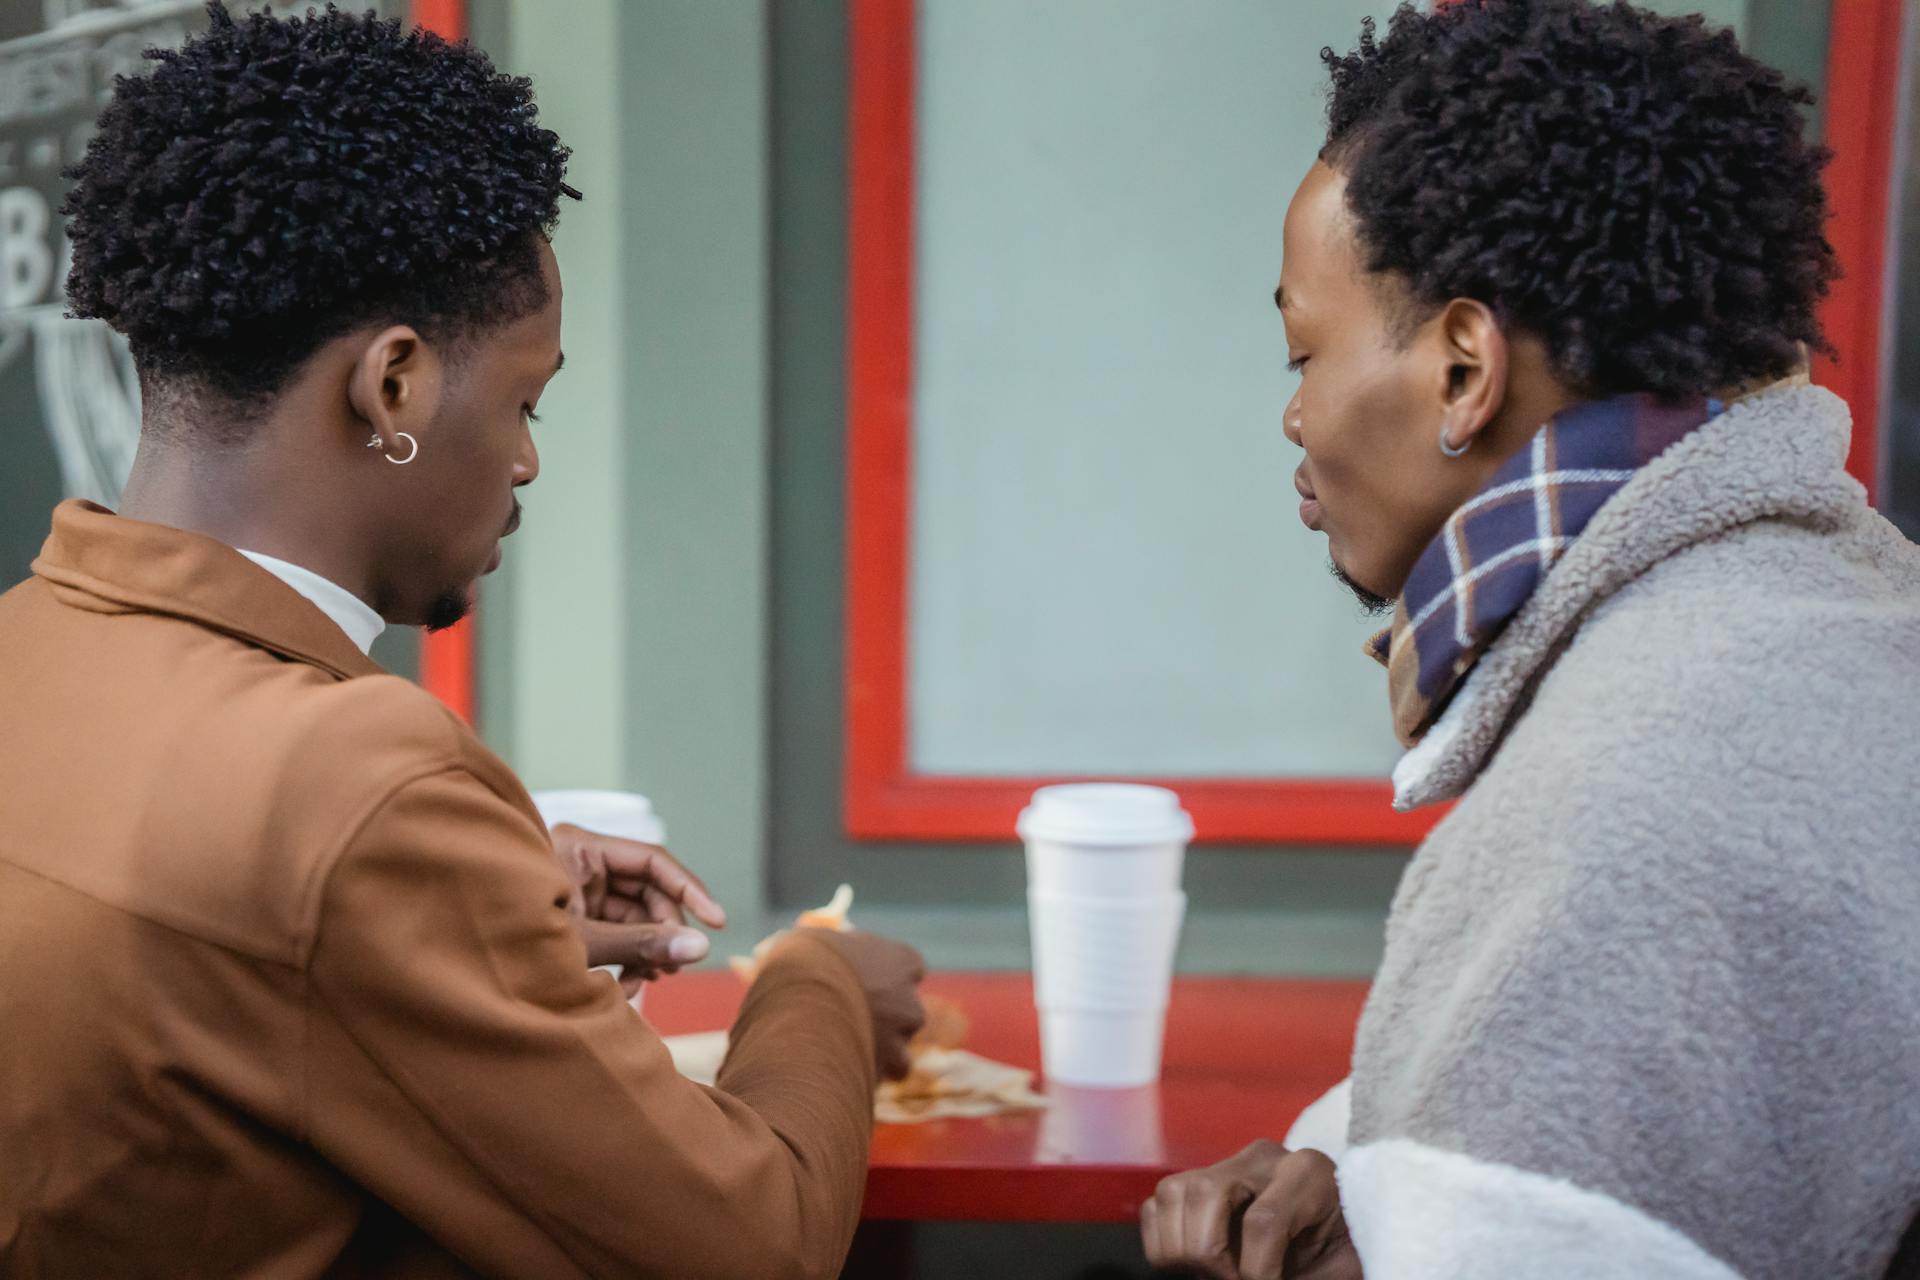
[1265, 1214]
[630, 903]
[890, 974]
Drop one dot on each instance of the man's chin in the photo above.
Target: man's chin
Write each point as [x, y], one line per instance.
[448, 608]
[1372, 601]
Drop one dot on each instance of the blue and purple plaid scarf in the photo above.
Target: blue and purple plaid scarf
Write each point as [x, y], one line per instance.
[1497, 547]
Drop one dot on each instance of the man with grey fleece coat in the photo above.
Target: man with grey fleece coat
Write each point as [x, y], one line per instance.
[1650, 1002]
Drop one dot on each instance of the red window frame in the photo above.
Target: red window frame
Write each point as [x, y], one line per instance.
[1864, 54]
[882, 796]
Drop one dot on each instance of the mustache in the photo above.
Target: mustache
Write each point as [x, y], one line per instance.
[513, 521]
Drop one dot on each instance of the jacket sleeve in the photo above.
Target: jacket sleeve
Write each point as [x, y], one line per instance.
[467, 1068]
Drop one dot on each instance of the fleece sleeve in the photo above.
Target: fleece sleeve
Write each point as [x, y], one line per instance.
[1672, 1061]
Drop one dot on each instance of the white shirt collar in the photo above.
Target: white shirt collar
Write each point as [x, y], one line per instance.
[348, 611]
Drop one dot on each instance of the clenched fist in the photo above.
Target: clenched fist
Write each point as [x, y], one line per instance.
[1265, 1214]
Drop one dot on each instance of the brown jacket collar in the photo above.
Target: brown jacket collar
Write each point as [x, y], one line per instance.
[128, 565]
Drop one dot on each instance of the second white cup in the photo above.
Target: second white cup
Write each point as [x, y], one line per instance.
[1102, 953]
[626, 814]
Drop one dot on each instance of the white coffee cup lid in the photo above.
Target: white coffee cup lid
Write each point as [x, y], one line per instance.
[1115, 813]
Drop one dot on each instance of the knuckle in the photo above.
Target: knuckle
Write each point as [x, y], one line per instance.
[1317, 1164]
[1196, 1190]
[1262, 1218]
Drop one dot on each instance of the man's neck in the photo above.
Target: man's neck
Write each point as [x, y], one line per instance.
[243, 499]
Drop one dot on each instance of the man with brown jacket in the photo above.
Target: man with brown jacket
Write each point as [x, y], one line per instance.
[292, 982]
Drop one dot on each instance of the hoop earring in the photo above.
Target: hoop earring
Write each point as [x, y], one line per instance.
[413, 450]
[1448, 449]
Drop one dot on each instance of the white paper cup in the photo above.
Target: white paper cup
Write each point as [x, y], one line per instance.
[1102, 1048]
[1104, 953]
[1105, 839]
[1102, 976]
[1105, 908]
[611, 813]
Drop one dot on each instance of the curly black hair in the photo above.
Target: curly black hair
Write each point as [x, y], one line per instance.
[274, 183]
[1631, 189]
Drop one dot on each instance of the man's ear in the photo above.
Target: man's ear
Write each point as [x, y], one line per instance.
[1475, 372]
[395, 385]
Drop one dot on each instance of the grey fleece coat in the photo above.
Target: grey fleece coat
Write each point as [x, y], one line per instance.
[1650, 1004]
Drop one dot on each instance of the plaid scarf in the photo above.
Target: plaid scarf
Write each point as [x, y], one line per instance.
[1495, 549]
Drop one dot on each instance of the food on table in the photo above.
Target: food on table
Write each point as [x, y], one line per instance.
[944, 1080]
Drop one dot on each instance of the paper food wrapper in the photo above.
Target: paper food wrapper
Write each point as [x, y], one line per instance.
[954, 1084]
[698, 1056]
[944, 1082]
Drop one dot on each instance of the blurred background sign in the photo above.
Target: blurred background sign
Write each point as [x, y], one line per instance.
[72, 405]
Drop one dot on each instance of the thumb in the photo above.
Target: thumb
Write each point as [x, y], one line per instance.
[647, 946]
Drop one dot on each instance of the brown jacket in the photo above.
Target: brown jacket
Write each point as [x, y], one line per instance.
[288, 988]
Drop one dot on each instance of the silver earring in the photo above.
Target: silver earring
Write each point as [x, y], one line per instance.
[1448, 449]
[413, 450]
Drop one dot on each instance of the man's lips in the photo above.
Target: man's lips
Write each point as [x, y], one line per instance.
[513, 522]
[1309, 504]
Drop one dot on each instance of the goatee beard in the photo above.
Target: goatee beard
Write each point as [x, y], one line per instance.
[1373, 604]
[448, 608]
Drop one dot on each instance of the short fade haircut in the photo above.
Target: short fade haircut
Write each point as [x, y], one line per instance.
[275, 183]
[1629, 188]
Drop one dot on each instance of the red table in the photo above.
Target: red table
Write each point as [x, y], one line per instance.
[1243, 1056]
